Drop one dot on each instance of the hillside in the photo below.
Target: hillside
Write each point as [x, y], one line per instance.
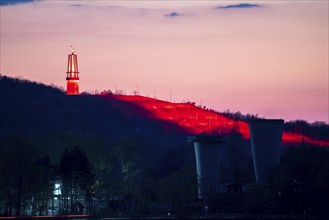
[137, 149]
[196, 120]
[33, 109]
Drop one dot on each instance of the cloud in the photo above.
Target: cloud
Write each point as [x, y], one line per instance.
[77, 5]
[242, 5]
[173, 14]
[13, 2]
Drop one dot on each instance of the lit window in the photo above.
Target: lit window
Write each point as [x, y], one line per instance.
[57, 190]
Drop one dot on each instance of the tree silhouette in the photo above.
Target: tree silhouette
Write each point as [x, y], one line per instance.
[78, 180]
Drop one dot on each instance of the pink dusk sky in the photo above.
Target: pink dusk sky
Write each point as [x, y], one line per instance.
[262, 57]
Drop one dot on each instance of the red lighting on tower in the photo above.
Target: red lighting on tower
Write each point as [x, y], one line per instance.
[72, 74]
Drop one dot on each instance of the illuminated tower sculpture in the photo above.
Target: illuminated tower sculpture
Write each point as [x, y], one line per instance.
[72, 74]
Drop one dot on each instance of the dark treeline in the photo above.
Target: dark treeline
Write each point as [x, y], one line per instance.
[317, 130]
[93, 178]
[298, 186]
[85, 154]
[128, 156]
[121, 180]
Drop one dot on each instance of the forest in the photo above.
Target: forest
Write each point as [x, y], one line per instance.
[83, 154]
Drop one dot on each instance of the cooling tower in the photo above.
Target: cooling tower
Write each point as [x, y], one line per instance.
[266, 139]
[207, 158]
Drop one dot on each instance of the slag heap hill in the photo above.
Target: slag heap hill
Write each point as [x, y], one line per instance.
[196, 120]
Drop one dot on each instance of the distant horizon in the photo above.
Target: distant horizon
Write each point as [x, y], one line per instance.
[259, 57]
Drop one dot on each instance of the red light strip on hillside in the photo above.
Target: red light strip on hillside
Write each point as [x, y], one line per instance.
[196, 120]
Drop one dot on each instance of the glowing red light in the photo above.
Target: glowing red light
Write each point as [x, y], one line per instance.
[72, 75]
[195, 120]
[72, 87]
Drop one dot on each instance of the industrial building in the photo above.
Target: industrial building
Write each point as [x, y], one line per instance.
[207, 156]
[266, 141]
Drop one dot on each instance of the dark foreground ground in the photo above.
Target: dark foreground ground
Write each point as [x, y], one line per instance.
[210, 217]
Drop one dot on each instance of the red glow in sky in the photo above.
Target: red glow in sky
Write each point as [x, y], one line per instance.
[196, 120]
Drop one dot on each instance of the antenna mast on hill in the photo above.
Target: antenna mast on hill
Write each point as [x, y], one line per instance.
[72, 46]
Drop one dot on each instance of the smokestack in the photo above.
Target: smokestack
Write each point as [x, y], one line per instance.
[266, 140]
[207, 158]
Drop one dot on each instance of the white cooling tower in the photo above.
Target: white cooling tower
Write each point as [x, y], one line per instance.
[266, 140]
